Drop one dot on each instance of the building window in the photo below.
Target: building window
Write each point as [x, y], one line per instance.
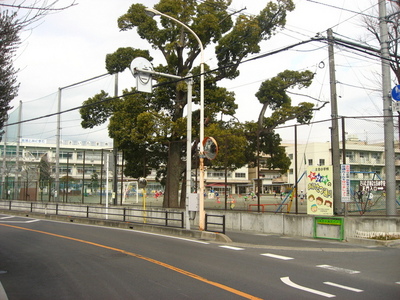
[65, 170]
[79, 155]
[322, 162]
[92, 156]
[216, 174]
[350, 156]
[310, 162]
[363, 157]
[37, 153]
[240, 175]
[65, 154]
[290, 156]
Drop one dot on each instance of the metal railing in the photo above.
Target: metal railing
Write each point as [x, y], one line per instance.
[211, 223]
[122, 214]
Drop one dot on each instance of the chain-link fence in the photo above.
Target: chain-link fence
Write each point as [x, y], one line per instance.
[361, 145]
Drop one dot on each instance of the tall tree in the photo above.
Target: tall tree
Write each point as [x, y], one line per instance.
[156, 126]
[275, 99]
[371, 23]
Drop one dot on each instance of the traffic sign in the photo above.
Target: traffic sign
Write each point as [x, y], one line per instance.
[396, 93]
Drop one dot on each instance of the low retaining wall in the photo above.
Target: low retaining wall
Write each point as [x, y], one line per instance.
[280, 223]
[303, 225]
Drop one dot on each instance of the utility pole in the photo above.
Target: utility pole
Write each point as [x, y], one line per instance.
[390, 170]
[115, 153]
[58, 140]
[337, 201]
[16, 174]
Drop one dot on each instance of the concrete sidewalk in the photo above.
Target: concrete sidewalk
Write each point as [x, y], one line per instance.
[274, 240]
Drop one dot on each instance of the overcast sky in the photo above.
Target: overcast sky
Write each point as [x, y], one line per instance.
[70, 46]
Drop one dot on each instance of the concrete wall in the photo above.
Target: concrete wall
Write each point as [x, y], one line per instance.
[303, 225]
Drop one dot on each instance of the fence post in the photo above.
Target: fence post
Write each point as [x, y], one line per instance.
[31, 206]
[9, 205]
[182, 219]
[166, 218]
[205, 228]
[56, 208]
[124, 217]
[223, 224]
[87, 211]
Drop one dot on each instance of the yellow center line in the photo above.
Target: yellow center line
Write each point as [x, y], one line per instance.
[189, 274]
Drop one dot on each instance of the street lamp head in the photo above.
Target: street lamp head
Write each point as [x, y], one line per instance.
[151, 12]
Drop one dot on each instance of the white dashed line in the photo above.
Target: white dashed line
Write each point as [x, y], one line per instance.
[231, 248]
[277, 256]
[338, 269]
[343, 287]
[20, 222]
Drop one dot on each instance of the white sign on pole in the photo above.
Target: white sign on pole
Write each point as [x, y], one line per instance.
[345, 182]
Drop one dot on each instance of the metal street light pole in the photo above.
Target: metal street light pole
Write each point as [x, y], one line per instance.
[201, 154]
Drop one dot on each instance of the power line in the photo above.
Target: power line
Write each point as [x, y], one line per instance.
[344, 9]
[351, 45]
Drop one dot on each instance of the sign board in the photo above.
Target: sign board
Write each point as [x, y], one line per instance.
[345, 183]
[372, 185]
[396, 93]
[329, 228]
[396, 106]
[319, 190]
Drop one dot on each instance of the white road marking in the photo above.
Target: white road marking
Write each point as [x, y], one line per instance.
[343, 287]
[33, 221]
[2, 218]
[277, 256]
[20, 222]
[338, 269]
[136, 231]
[287, 281]
[232, 248]
[3, 294]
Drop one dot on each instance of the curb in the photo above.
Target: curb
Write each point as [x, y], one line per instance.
[373, 242]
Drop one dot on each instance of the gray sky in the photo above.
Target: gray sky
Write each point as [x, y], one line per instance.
[70, 46]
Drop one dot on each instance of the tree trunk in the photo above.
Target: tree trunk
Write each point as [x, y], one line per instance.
[183, 192]
[174, 171]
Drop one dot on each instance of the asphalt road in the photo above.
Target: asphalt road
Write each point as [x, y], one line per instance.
[41, 259]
